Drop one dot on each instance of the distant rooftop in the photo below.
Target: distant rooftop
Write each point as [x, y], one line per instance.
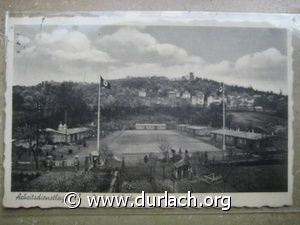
[197, 127]
[240, 134]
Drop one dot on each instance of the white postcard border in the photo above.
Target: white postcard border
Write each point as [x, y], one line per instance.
[287, 21]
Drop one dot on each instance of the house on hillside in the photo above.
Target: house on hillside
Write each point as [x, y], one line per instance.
[246, 103]
[250, 104]
[240, 102]
[186, 95]
[142, 93]
[160, 101]
[213, 99]
[256, 96]
[172, 94]
[198, 99]
[232, 102]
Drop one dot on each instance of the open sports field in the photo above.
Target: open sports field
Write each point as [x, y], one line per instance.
[146, 141]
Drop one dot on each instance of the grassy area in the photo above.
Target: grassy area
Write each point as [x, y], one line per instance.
[66, 182]
[259, 120]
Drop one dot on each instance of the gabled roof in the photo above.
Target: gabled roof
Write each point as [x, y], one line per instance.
[199, 94]
[186, 91]
[196, 127]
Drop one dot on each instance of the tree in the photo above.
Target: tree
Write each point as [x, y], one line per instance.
[164, 146]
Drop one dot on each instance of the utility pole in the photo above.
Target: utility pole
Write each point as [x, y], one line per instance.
[98, 118]
[224, 125]
[101, 156]
[36, 155]
[66, 122]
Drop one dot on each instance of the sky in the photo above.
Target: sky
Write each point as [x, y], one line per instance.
[254, 57]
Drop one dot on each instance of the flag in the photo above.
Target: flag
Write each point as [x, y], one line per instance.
[105, 83]
[220, 90]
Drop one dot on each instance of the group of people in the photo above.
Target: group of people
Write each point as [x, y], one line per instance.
[175, 157]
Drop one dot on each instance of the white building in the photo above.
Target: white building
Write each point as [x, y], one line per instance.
[142, 93]
[214, 99]
[172, 94]
[71, 135]
[186, 95]
[258, 108]
[150, 126]
[198, 99]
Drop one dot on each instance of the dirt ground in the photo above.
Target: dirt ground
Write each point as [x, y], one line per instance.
[146, 141]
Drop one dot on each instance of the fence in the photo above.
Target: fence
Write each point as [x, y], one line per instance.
[41, 165]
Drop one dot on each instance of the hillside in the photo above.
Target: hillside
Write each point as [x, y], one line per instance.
[48, 103]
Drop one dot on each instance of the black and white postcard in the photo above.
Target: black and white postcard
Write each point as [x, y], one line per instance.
[125, 102]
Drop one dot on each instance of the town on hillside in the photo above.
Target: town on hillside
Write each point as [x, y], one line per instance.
[194, 91]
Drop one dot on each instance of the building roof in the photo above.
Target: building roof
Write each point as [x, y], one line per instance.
[69, 131]
[77, 130]
[198, 97]
[182, 125]
[199, 94]
[240, 134]
[196, 127]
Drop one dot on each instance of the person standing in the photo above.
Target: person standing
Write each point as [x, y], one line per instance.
[76, 163]
[49, 163]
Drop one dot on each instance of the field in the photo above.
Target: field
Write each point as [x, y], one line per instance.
[146, 141]
[260, 120]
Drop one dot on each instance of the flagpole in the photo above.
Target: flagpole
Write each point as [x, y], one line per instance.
[98, 124]
[224, 141]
